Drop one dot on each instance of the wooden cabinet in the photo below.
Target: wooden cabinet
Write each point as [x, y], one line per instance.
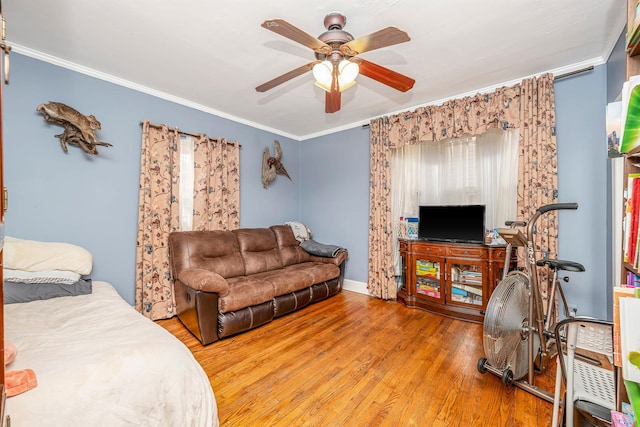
[451, 279]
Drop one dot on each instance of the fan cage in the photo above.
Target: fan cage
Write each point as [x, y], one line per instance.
[504, 337]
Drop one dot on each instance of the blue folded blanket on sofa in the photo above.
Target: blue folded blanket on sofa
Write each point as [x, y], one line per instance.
[320, 249]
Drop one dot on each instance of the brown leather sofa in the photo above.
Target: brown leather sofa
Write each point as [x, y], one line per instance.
[227, 282]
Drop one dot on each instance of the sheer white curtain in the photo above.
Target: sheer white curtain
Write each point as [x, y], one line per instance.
[469, 170]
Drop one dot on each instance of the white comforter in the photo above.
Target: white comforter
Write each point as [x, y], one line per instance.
[98, 362]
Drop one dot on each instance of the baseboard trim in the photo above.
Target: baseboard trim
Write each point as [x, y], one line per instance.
[355, 286]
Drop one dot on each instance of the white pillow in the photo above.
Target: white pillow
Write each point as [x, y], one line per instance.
[51, 276]
[31, 255]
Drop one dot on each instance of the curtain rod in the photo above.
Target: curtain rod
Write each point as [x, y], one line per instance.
[186, 133]
[572, 73]
[558, 77]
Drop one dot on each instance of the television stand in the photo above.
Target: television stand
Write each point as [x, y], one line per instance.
[451, 279]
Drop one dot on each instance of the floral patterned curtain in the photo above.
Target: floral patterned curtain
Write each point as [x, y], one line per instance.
[381, 281]
[538, 167]
[529, 106]
[216, 206]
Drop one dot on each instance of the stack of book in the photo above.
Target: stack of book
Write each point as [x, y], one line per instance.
[428, 268]
[626, 339]
[466, 294]
[631, 221]
[428, 278]
[467, 276]
[429, 287]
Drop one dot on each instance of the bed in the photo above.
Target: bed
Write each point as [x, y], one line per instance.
[99, 362]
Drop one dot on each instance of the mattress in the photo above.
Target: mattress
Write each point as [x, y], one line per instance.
[98, 362]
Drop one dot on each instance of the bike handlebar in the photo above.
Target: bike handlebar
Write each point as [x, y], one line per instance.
[557, 207]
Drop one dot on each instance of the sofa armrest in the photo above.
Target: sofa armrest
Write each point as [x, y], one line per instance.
[337, 260]
[204, 280]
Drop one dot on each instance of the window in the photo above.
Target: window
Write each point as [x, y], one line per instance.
[469, 170]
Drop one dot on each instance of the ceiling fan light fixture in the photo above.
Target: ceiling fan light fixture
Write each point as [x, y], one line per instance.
[344, 86]
[322, 72]
[347, 73]
[322, 86]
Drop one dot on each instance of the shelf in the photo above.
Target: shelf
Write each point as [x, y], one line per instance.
[471, 289]
[634, 153]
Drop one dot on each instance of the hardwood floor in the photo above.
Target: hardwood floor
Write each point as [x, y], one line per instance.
[353, 360]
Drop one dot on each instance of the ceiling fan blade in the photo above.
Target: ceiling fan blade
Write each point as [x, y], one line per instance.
[384, 75]
[286, 77]
[382, 38]
[334, 96]
[287, 30]
[332, 101]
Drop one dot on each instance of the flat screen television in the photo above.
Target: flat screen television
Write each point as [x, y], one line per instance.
[452, 223]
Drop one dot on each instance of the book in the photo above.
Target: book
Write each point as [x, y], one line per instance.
[618, 419]
[630, 114]
[618, 293]
[613, 124]
[635, 213]
[632, 221]
[630, 338]
[470, 289]
[633, 392]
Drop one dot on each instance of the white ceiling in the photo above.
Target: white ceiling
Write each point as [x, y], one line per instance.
[212, 54]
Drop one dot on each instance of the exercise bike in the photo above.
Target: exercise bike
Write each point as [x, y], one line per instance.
[518, 334]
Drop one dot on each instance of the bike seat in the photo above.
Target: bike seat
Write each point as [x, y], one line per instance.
[558, 264]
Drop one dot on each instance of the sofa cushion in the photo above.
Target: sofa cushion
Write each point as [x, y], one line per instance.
[259, 249]
[290, 250]
[245, 291]
[212, 250]
[286, 280]
[318, 272]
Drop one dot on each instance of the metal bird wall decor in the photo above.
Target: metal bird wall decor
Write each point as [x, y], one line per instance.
[78, 129]
[272, 165]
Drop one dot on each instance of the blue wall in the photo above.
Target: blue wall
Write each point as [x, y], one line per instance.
[93, 201]
[583, 178]
[616, 69]
[334, 200]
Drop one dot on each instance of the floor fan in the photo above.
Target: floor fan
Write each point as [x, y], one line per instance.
[506, 319]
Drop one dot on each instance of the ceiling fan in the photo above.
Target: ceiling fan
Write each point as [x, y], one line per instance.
[337, 65]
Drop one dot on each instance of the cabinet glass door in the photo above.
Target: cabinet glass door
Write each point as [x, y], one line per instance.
[401, 281]
[428, 281]
[465, 283]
